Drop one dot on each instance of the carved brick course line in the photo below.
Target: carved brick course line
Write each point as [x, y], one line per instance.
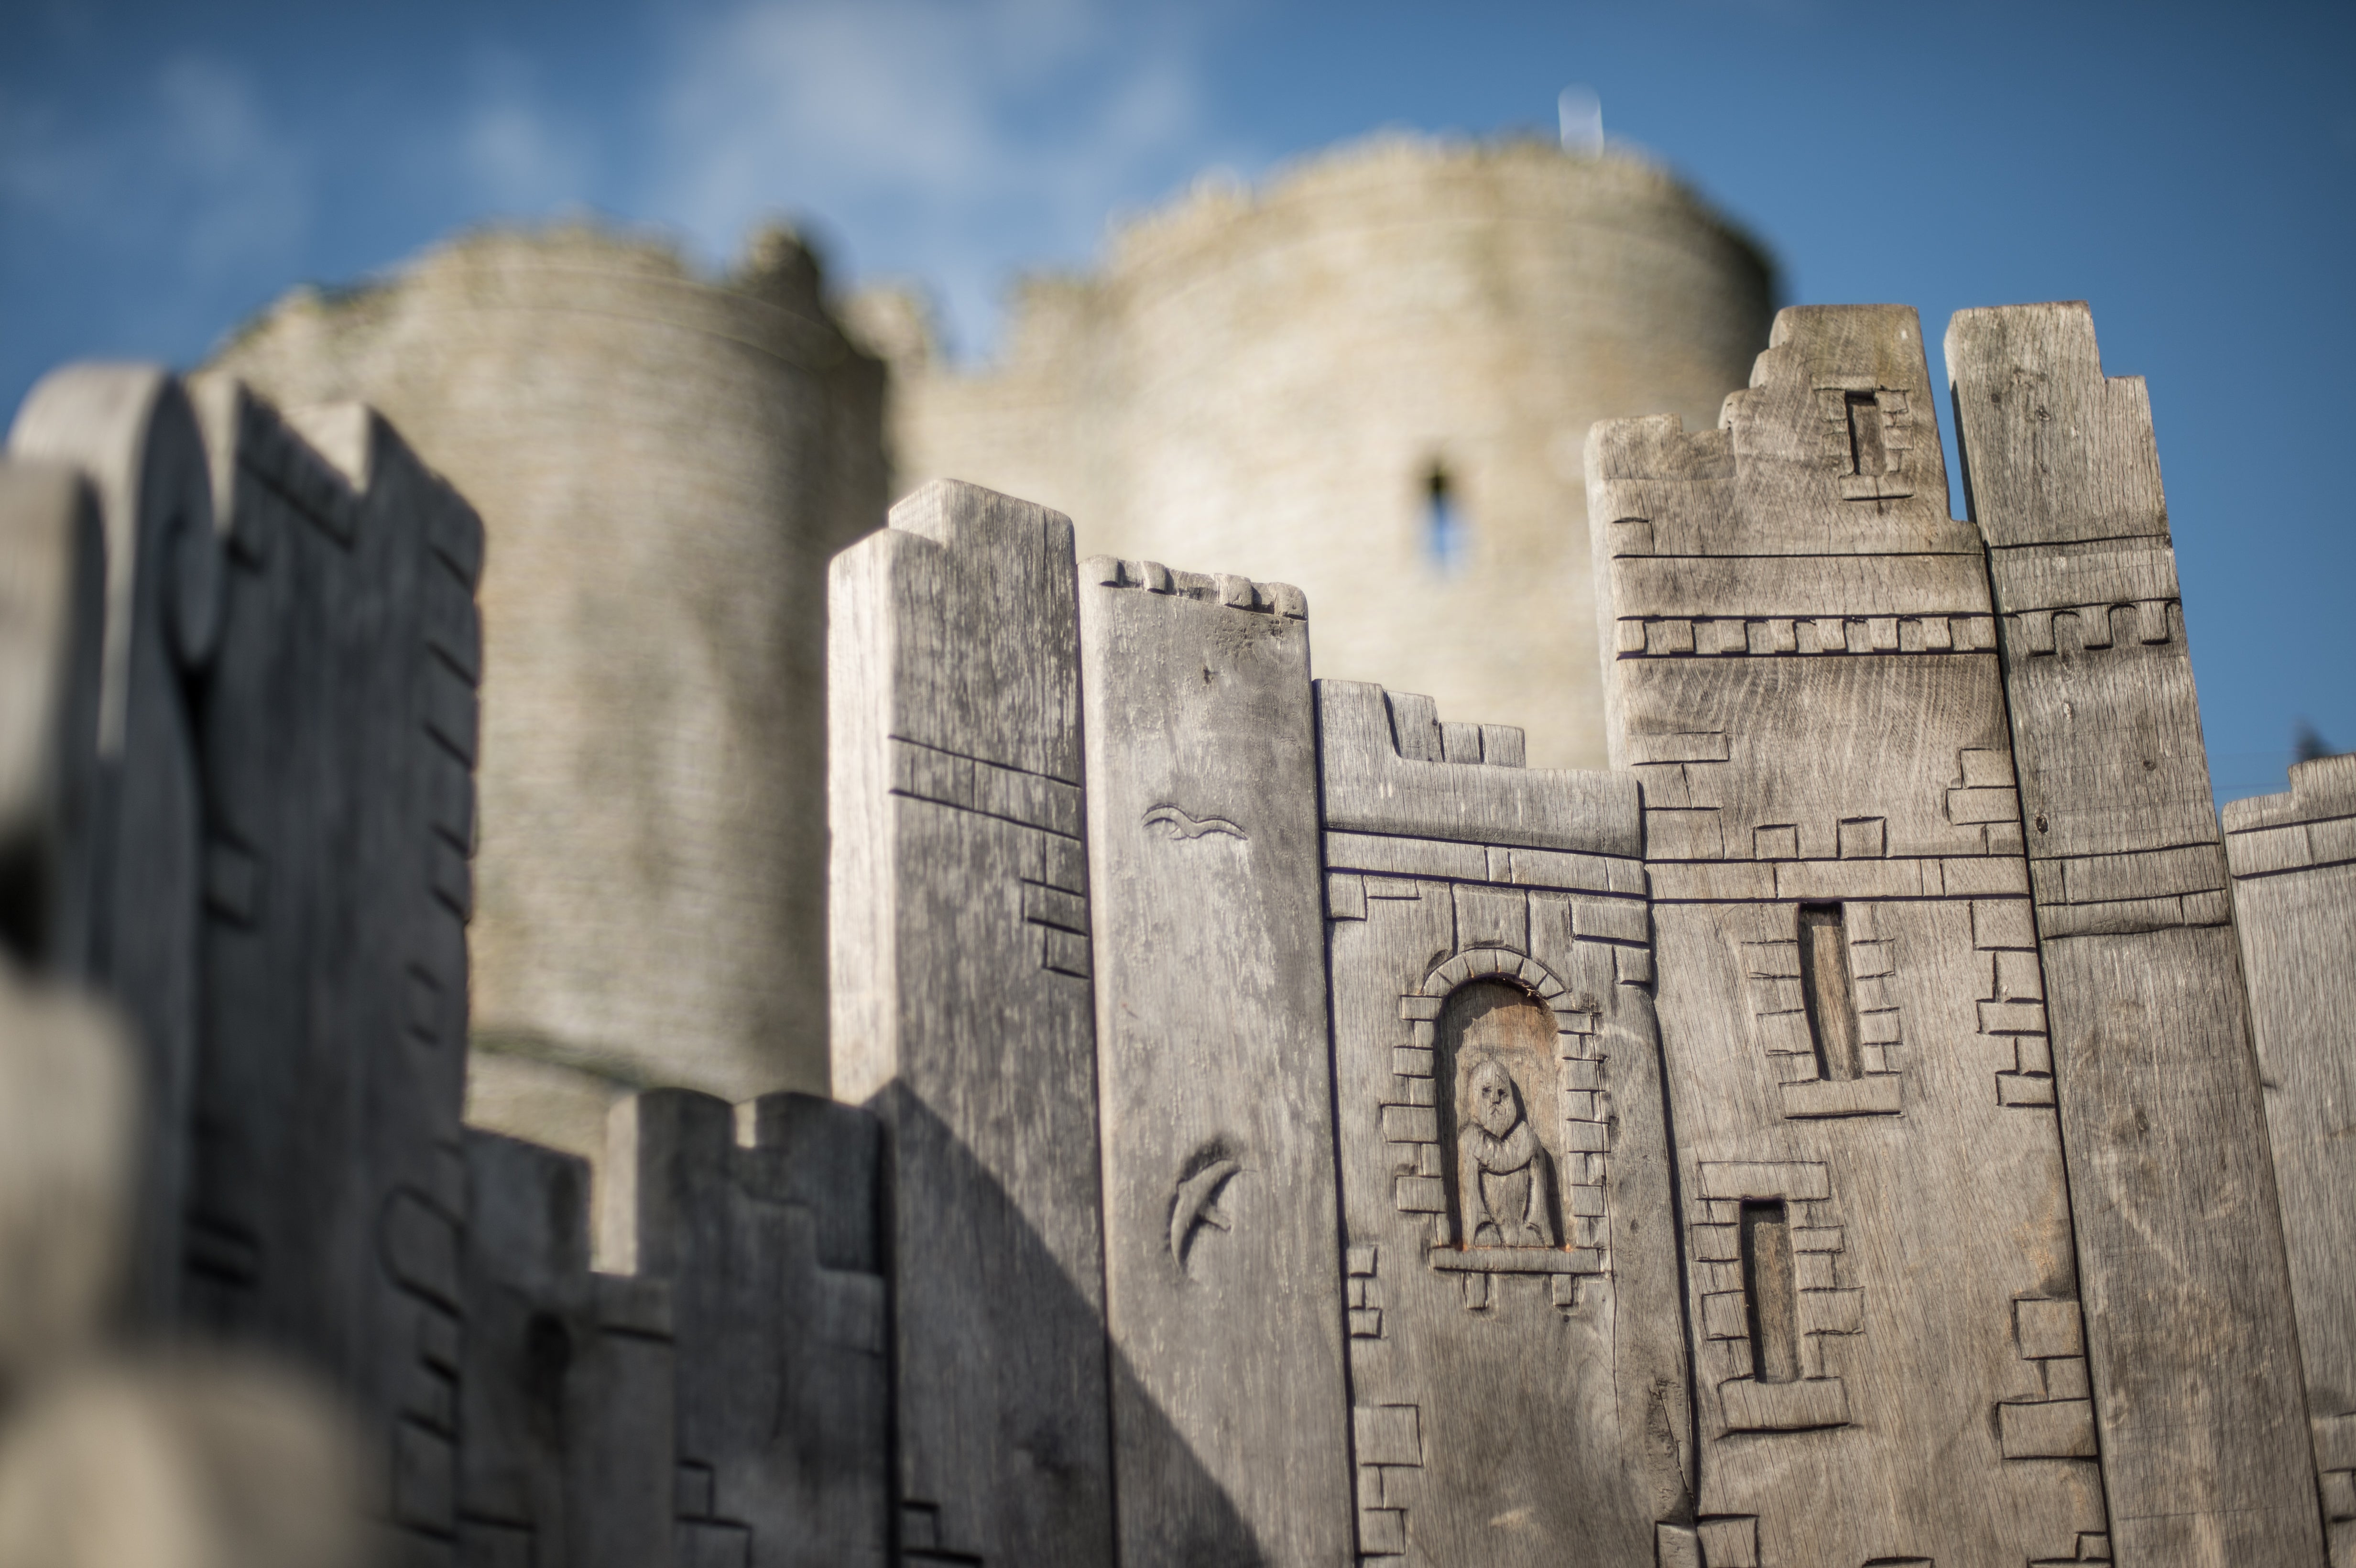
[1798, 636]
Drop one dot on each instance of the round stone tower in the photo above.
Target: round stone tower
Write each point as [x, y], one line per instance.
[1372, 379]
[663, 464]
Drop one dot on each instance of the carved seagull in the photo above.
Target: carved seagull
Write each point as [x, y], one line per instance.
[1196, 1195]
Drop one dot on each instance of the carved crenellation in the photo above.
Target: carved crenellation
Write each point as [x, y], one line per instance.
[1690, 636]
[1222, 587]
[2094, 628]
[1825, 1307]
[1689, 779]
[2308, 826]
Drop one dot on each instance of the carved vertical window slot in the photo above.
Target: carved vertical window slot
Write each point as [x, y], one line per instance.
[1829, 992]
[1771, 1297]
[1868, 453]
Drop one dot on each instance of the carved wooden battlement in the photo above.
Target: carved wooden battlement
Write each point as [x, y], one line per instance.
[1274, 1124]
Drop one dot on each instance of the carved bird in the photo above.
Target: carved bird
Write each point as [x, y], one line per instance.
[1181, 826]
[1192, 1206]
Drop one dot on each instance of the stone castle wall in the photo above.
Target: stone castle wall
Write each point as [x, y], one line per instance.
[663, 464]
[1268, 379]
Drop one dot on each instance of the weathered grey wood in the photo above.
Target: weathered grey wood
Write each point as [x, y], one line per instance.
[1518, 1365]
[1800, 668]
[129, 431]
[2189, 1326]
[963, 1016]
[1223, 1274]
[770, 1257]
[327, 1196]
[566, 1394]
[2294, 863]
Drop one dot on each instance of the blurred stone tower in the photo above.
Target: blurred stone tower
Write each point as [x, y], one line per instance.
[1372, 379]
[663, 465]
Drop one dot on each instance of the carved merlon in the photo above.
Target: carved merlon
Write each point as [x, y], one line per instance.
[1391, 768]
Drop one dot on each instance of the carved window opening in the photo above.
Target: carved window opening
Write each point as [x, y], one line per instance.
[1770, 1298]
[1444, 533]
[1502, 1164]
[1829, 992]
[1868, 453]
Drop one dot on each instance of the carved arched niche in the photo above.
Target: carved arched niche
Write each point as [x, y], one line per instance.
[1500, 1133]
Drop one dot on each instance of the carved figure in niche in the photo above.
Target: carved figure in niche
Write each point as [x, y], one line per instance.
[1505, 1180]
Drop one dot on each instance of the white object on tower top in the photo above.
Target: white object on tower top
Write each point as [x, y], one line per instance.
[1583, 120]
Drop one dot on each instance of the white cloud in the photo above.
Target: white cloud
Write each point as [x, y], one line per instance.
[945, 139]
[512, 152]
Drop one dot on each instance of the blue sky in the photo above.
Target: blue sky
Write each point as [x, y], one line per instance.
[167, 170]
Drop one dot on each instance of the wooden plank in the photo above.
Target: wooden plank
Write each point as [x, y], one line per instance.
[1222, 1274]
[328, 1197]
[1518, 1366]
[964, 1018]
[567, 1386]
[770, 1253]
[130, 432]
[2298, 952]
[2190, 1338]
[1866, 1207]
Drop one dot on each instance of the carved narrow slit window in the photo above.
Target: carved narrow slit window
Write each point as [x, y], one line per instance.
[1770, 1298]
[1828, 992]
[1867, 452]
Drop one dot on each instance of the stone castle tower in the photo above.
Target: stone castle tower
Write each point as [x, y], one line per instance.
[1296, 383]
[1371, 378]
[664, 465]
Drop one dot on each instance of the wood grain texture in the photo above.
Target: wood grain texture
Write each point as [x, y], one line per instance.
[964, 1018]
[1518, 1392]
[1222, 1274]
[2294, 863]
[1872, 1206]
[129, 431]
[336, 738]
[567, 1390]
[2190, 1341]
[769, 1253]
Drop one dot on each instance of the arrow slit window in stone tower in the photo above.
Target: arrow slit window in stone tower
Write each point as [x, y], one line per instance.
[1500, 1044]
[1828, 992]
[1444, 521]
[1768, 1297]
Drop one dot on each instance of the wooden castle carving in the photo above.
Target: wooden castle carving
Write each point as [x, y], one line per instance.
[1882, 1120]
